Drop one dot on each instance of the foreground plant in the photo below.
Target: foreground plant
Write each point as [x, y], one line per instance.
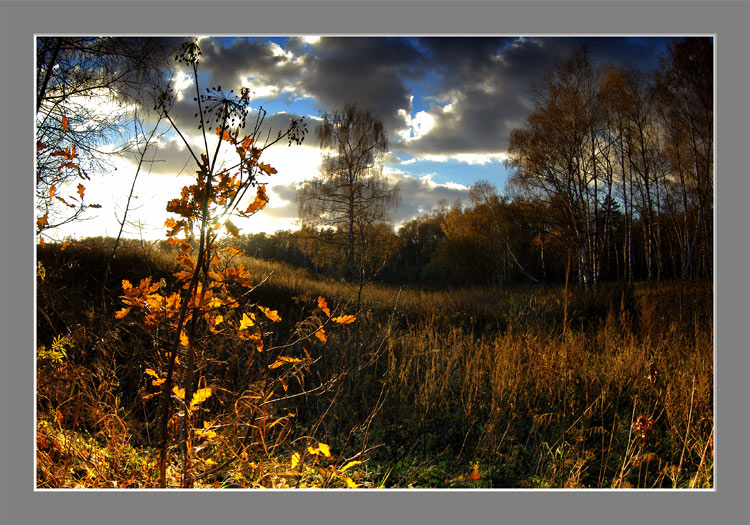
[212, 304]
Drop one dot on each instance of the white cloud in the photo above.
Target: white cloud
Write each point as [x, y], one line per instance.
[468, 158]
[417, 126]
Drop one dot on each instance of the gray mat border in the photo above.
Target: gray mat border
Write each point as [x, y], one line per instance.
[19, 21]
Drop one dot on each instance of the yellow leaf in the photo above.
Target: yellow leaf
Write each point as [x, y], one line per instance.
[321, 334]
[344, 319]
[349, 465]
[323, 306]
[152, 373]
[325, 449]
[273, 315]
[184, 341]
[218, 320]
[350, 483]
[179, 392]
[295, 459]
[200, 396]
[247, 321]
[158, 382]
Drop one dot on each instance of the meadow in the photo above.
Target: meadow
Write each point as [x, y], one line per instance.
[543, 386]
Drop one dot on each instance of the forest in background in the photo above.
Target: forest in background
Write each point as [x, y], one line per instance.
[558, 334]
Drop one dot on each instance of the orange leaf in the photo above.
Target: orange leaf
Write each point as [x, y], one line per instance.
[65, 123]
[344, 319]
[41, 222]
[122, 313]
[261, 199]
[65, 245]
[158, 382]
[273, 315]
[52, 191]
[267, 169]
[323, 306]
[81, 189]
[42, 243]
[321, 334]
[184, 341]
[281, 360]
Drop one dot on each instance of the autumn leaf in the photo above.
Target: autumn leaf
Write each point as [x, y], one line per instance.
[323, 305]
[41, 222]
[179, 392]
[474, 472]
[232, 229]
[295, 459]
[199, 397]
[349, 465]
[321, 335]
[350, 483]
[65, 246]
[322, 448]
[42, 243]
[122, 313]
[344, 319]
[81, 189]
[184, 341]
[52, 191]
[65, 123]
[273, 315]
[267, 169]
[158, 382]
[247, 321]
[261, 199]
[281, 360]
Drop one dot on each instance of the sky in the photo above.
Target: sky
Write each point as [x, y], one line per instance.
[448, 105]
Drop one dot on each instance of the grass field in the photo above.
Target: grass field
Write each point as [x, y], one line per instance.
[524, 387]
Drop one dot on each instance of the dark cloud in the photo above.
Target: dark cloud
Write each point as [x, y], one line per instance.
[490, 82]
[369, 71]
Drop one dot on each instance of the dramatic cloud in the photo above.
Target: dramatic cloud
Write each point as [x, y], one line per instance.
[448, 104]
[486, 85]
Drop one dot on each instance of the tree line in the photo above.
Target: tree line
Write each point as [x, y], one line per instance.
[611, 180]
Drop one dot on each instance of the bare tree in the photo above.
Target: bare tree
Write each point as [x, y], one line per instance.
[351, 194]
[71, 73]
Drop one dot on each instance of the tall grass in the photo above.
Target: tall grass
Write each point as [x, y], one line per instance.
[444, 379]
